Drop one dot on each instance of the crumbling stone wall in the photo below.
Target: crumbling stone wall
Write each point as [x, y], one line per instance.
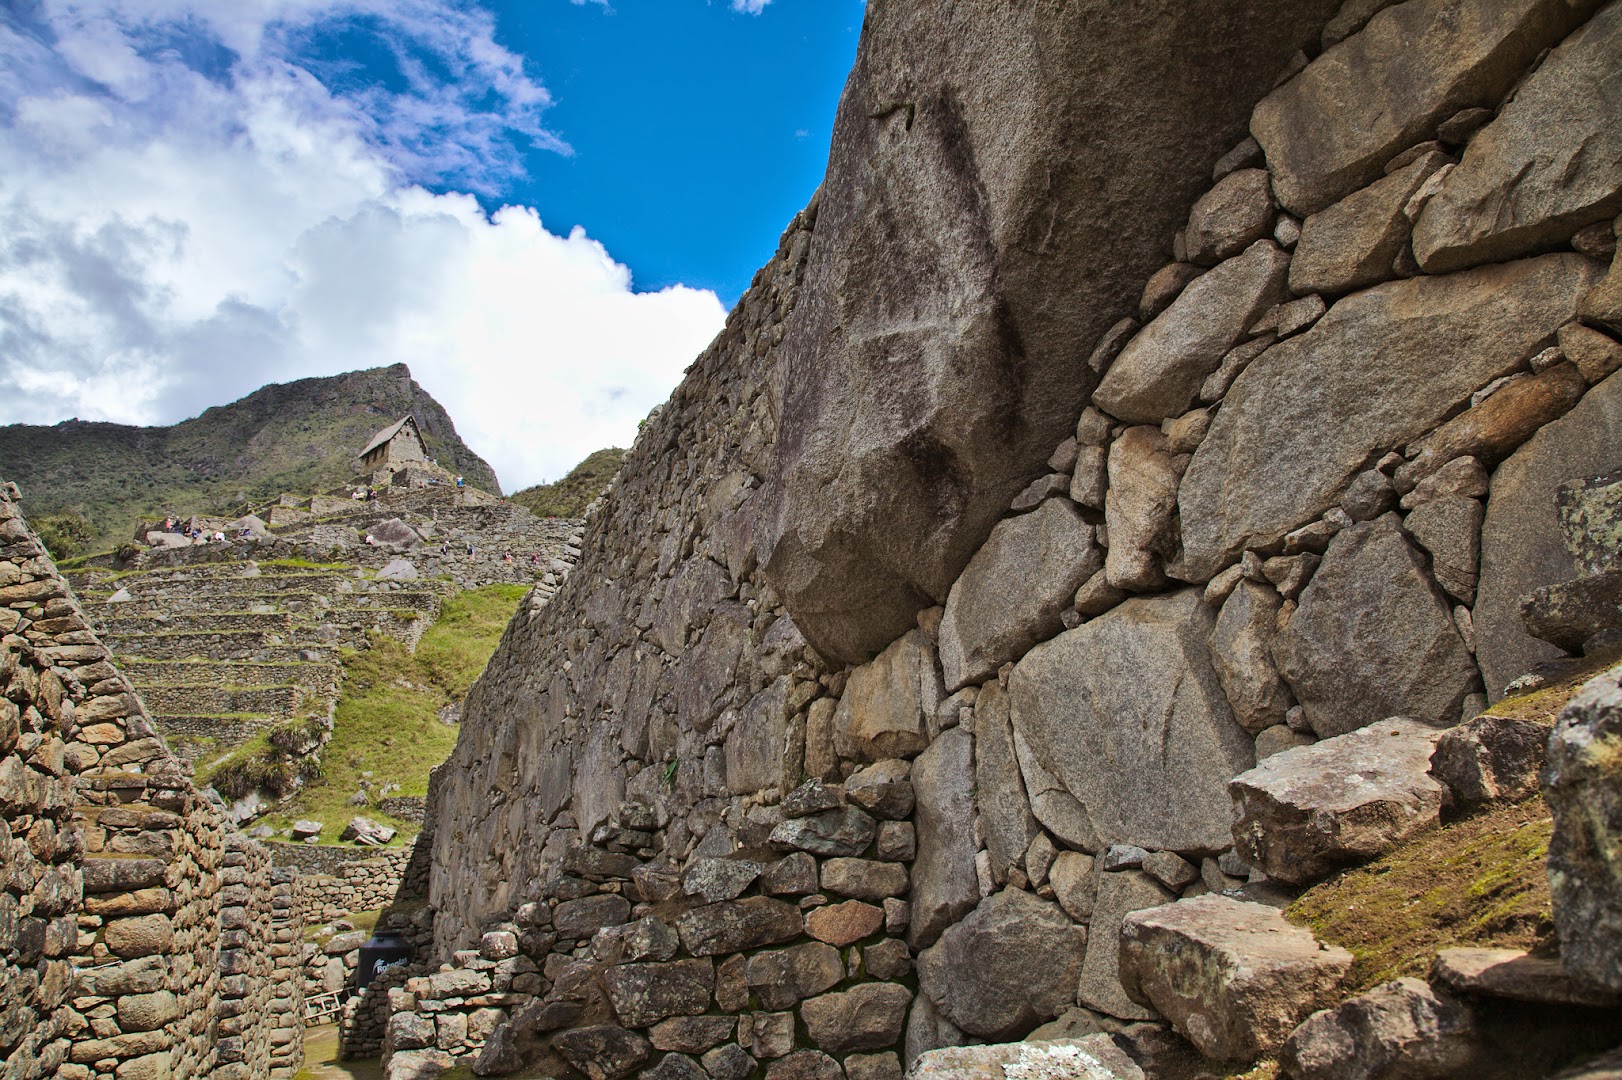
[972, 501]
[145, 941]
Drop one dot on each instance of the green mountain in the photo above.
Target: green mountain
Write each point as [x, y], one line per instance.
[295, 437]
[569, 497]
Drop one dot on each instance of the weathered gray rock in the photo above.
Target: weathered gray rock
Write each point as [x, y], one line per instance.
[1128, 714]
[1164, 286]
[868, 1016]
[1301, 814]
[1005, 811]
[1516, 975]
[1590, 512]
[943, 878]
[1013, 591]
[1400, 1030]
[844, 832]
[1075, 884]
[1119, 894]
[812, 797]
[1450, 529]
[584, 917]
[735, 925]
[1491, 430]
[1490, 758]
[719, 879]
[1580, 783]
[1160, 371]
[1010, 964]
[691, 1034]
[603, 1051]
[1242, 654]
[882, 712]
[1549, 164]
[805, 1065]
[843, 924]
[901, 436]
[1234, 978]
[1332, 128]
[1095, 1057]
[1603, 304]
[1346, 674]
[729, 1062]
[1352, 244]
[792, 875]
[1138, 509]
[1234, 214]
[1388, 364]
[883, 789]
[1596, 354]
[1521, 548]
[644, 994]
[784, 977]
[864, 879]
[1569, 613]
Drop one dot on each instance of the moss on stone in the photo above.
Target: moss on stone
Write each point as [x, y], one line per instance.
[1544, 704]
[1479, 881]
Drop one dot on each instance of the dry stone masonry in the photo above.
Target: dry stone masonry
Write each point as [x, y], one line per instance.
[1085, 534]
[143, 937]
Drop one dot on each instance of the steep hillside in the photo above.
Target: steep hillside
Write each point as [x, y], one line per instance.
[297, 436]
[569, 497]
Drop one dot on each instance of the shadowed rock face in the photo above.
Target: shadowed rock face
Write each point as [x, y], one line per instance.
[983, 222]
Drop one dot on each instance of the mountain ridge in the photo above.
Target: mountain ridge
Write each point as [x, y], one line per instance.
[298, 436]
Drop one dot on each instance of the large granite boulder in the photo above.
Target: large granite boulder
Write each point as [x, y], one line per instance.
[1234, 978]
[1013, 591]
[1009, 965]
[1521, 539]
[1128, 714]
[1400, 1030]
[1242, 653]
[1140, 506]
[992, 204]
[868, 1016]
[944, 883]
[1120, 893]
[1549, 164]
[1332, 128]
[1382, 368]
[1582, 785]
[1374, 637]
[1159, 372]
[644, 994]
[1095, 1057]
[1305, 812]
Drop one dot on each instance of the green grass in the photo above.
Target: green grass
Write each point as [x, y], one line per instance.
[569, 497]
[387, 720]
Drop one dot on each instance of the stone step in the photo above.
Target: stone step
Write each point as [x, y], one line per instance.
[192, 738]
[176, 600]
[272, 622]
[253, 645]
[277, 701]
[216, 579]
[313, 678]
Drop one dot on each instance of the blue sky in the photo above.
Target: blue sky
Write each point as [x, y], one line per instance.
[543, 206]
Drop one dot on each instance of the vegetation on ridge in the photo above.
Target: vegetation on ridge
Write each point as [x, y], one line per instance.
[297, 436]
[569, 497]
[387, 728]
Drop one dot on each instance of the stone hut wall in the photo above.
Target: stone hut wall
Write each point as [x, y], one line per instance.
[145, 945]
[981, 507]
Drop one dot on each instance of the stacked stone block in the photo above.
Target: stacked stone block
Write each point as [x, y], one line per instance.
[145, 949]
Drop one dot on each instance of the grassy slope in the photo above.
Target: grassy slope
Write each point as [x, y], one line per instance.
[387, 720]
[569, 497]
[288, 437]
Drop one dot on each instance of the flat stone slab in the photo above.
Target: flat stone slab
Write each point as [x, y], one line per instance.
[1511, 973]
[1305, 812]
[1094, 1058]
[1234, 978]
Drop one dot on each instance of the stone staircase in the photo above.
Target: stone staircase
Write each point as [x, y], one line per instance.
[223, 651]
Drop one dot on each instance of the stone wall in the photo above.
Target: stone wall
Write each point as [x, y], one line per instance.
[358, 885]
[142, 937]
[971, 501]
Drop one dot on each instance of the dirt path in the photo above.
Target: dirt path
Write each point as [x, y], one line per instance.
[321, 1058]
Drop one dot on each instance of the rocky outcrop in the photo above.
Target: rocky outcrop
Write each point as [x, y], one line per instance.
[921, 390]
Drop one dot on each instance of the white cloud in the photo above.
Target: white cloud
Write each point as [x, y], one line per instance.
[190, 210]
[752, 7]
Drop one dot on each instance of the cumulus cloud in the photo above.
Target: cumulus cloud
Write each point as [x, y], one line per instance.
[201, 198]
[751, 7]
